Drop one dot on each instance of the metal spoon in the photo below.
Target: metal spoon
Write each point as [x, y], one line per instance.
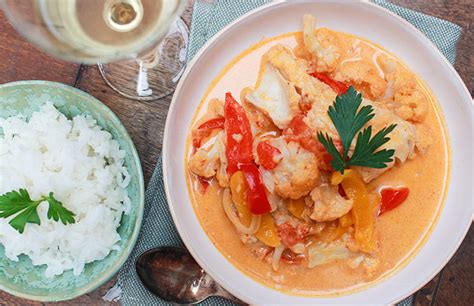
[172, 274]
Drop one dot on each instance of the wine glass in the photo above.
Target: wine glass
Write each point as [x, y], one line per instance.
[139, 45]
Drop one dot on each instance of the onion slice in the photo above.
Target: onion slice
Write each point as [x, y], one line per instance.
[277, 256]
[230, 212]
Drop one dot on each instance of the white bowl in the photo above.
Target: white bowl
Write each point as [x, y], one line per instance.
[397, 36]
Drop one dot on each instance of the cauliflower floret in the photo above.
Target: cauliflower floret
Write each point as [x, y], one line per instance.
[363, 75]
[207, 159]
[412, 107]
[403, 94]
[204, 163]
[328, 204]
[297, 172]
[323, 44]
[344, 58]
[295, 71]
[370, 265]
[423, 138]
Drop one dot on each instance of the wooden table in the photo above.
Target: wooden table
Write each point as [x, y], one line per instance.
[145, 122]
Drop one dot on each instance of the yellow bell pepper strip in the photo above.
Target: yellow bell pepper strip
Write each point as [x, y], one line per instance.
[238, 188]
[337, 177]
[331, 233]
[346, 220]
[268, 233]
[363, 210]
[296, 207]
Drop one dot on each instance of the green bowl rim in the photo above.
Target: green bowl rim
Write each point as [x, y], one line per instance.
[111, 271]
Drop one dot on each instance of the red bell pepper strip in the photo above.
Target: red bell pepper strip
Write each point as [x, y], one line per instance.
[238, 135]
[215, 123]
[392, 198]
[205, 130]
[337, 86]
[256, 195]
[299, 131]
[239, 154]
[267, 155]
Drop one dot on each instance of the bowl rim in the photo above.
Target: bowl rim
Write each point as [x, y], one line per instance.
[112, 270]
[209, 43]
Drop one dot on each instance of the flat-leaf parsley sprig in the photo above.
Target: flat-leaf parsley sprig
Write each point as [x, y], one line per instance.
[20, 203]
[348, 120]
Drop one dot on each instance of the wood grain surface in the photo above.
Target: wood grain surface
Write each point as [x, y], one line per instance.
[145, 122]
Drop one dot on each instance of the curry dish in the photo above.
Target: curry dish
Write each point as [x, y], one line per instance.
[317, 162]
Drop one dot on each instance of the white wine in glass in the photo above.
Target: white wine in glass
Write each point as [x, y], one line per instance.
[139, 45]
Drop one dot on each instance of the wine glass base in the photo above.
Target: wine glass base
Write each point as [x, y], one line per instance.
[154, 75]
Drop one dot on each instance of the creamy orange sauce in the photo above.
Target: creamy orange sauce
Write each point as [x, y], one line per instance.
[401, 231]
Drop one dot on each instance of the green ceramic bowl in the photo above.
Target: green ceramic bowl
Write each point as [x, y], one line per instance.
[22, 278]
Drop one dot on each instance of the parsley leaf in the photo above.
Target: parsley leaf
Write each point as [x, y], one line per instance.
[364, 151]
[348, 120]
[57, 211]
[20, 203]
[337, 162]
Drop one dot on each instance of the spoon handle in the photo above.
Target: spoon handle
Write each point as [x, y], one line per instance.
[225, 294]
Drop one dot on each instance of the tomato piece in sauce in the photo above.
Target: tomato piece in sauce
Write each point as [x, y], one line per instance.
[337, 86]
[392, 198]
[205, 130]
[299, 131]
[291, 235]
[268, 155]
[326, 157]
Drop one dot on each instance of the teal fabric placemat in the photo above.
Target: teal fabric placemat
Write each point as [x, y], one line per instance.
[158, 228]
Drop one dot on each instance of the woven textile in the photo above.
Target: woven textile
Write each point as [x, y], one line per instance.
[208, 18]
[444, 34]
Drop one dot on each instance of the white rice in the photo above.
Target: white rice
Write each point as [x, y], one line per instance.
[84, 167]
